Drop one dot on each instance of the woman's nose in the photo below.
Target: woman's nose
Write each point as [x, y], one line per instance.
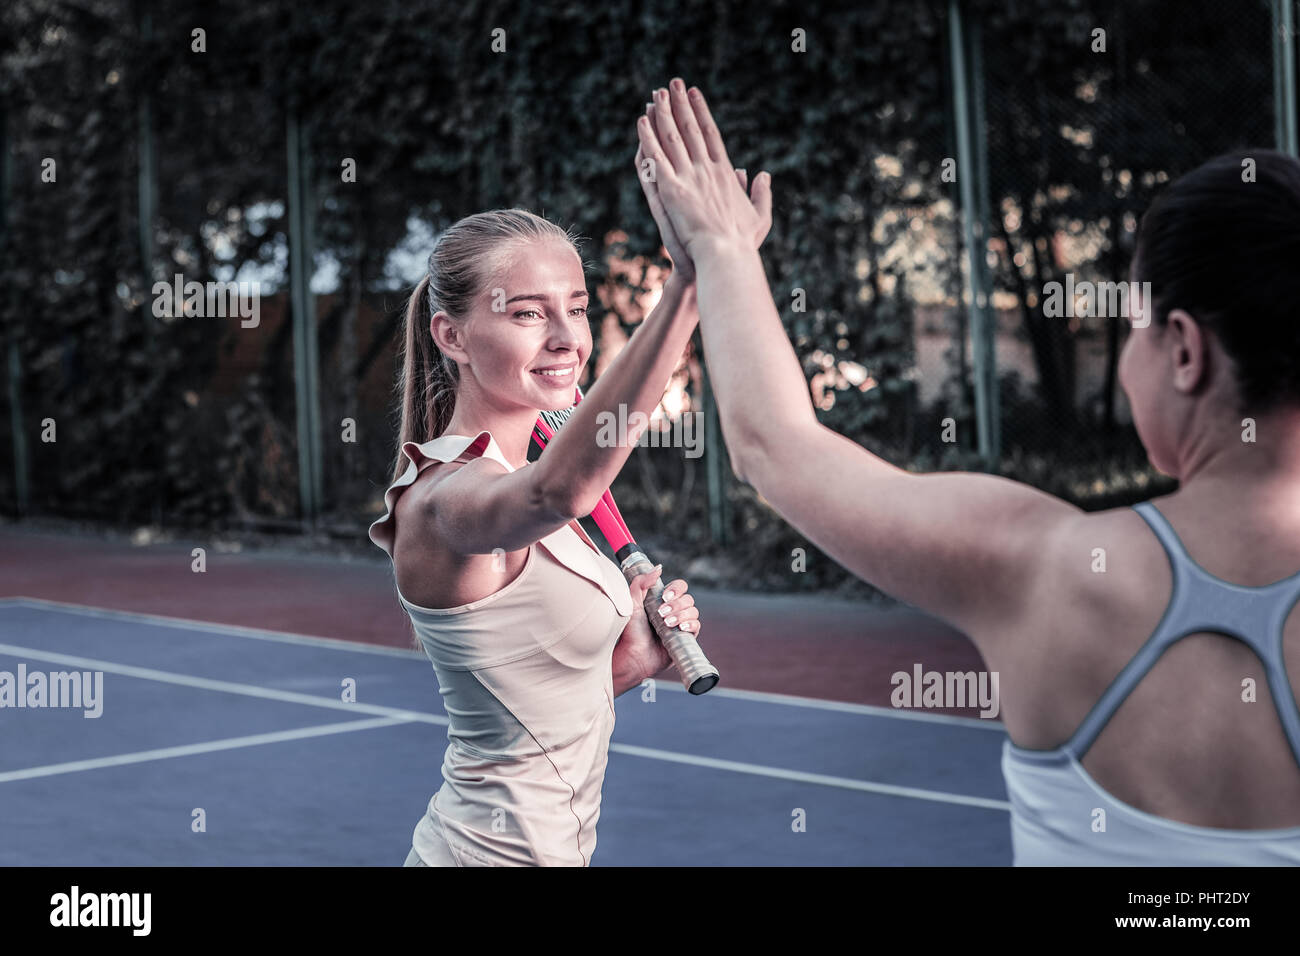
[564, 336]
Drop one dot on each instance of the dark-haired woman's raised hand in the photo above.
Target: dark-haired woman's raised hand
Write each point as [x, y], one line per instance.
[968, 548]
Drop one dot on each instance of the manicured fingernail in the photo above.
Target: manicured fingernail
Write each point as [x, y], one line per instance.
[665, 610]
[669, 595]
[671, 621]
[677, 84]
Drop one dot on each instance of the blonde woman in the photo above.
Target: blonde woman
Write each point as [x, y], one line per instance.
[1148, 655]
[531, 631]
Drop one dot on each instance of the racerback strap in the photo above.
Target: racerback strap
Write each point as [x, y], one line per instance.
[1201, 602]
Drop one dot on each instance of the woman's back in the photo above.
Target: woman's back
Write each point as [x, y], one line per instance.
[1198, 740]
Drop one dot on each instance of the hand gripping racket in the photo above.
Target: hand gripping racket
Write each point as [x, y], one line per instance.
[697, 674]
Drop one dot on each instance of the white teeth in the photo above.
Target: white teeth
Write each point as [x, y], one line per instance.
[554, 372]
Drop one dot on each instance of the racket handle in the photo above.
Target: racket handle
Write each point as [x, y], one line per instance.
[697, 674]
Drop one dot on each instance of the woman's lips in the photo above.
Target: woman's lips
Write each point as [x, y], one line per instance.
[556, 376]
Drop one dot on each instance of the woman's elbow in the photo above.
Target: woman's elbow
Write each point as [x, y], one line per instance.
[758, 455]
[750, 459]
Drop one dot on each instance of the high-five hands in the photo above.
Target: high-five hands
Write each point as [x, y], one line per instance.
[694, 194]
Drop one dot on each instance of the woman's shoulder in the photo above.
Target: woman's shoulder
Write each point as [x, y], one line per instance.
[434, 462]
[427, 464]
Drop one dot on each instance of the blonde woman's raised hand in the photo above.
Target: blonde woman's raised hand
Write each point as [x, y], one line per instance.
[688, 178]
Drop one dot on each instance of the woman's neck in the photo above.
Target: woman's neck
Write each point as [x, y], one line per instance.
[512, 431]
[1255, 463]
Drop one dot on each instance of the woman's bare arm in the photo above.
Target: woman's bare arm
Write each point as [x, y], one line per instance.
[481, 507]
[966, 547]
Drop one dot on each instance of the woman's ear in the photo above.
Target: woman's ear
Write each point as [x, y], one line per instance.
[447, 336]
[1189, 345]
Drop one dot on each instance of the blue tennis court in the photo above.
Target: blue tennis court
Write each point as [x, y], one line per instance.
[248, 733]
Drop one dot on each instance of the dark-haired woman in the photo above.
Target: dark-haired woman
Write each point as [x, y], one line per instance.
[531, 630]
[1148, 656]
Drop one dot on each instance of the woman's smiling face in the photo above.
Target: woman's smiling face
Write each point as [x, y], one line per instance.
[527, 339]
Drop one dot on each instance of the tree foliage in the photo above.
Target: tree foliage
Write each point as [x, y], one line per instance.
[439, 125]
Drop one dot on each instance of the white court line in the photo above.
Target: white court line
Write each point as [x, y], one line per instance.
[227, 687]
[230, 743]
[869, 710]
[338, 644]
[188, 624]
[825, 780]
[394, 716]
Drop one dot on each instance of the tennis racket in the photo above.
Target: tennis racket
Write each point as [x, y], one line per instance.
[697, 674]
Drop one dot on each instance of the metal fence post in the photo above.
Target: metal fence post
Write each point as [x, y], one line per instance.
[305, 361]
[716, 467]
[984, 225]
[18, 436]
[1284, 91]
[971, 186]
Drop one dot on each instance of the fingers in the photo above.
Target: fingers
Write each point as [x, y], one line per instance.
[642, 167]
[681, 611]
[675, 602]
[670, 138]
[708, 129]
[744, 180]
[646, 579]
[762, 199]
[687, 125]
[651, 149]
[687, 620]
[651, 190]
[645, 174]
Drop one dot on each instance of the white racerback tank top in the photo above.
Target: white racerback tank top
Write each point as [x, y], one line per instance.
[525, 677]
[1054, 800]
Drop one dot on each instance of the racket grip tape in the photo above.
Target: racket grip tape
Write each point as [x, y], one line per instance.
[697, 674]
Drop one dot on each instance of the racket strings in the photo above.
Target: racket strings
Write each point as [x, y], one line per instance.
[555, 420]
[550, 421]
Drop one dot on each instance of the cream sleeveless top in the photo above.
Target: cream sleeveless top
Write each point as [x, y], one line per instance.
[525, 677]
